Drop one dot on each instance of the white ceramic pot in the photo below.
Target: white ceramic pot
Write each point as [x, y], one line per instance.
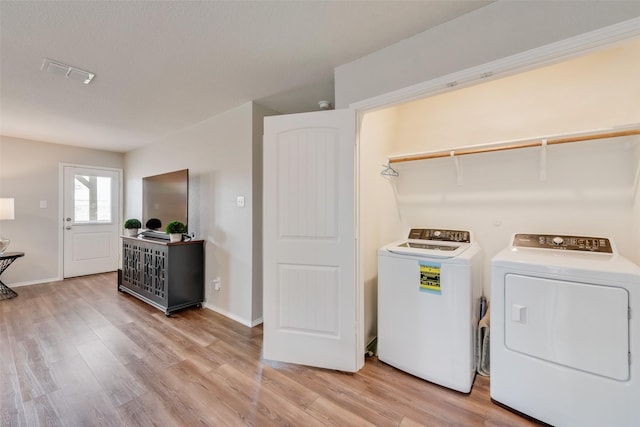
[175, 237]
[131, 232]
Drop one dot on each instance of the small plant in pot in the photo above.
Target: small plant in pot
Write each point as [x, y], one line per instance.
[175, 229]
[131, 226]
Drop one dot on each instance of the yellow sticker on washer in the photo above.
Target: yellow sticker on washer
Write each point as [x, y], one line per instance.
[430, 277]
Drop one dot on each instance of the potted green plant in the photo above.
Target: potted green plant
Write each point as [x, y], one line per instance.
[175, 229]
[131, 226]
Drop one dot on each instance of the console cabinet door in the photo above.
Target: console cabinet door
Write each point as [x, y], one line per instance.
[131, 267]
[155, 272]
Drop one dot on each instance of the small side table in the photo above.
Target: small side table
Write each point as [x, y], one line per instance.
[6, 259]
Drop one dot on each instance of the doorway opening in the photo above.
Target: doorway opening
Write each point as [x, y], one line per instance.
[91, 218]
[497, 194]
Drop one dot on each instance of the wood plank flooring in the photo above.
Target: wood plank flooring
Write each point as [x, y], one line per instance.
[79, 353]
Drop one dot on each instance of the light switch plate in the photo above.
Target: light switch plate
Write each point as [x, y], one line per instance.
[240, 201]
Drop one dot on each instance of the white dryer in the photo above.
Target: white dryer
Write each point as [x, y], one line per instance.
[429, 287]
[565, 331]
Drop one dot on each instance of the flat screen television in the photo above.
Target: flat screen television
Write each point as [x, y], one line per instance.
[165, 199]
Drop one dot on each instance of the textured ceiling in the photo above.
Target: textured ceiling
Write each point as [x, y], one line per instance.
[162, 66]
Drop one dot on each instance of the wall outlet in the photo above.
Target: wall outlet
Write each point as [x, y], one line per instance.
[216, 284]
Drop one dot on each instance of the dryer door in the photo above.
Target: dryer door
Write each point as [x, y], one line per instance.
[577, 325]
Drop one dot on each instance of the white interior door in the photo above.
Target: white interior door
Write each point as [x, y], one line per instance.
[91, 203]
[310, 290]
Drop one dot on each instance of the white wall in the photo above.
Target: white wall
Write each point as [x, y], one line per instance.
[221, 154]
[29, 172]
[589, 188]
[496, 31]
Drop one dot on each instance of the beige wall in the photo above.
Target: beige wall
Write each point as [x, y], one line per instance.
[29, 172]
[595, 91]
[379, 215]
[222, 154]
[259, 113]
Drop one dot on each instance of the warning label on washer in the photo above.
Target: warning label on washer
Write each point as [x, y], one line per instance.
[430, 277]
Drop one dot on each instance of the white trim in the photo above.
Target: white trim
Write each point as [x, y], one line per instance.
[60, 221]
[636, 183]
[61, 167]
[233, 316]
[358, 256]
[258, 321]
[33, 282]
[544, 55]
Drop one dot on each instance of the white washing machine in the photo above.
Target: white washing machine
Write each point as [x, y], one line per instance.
[429, 287]
[565, 331]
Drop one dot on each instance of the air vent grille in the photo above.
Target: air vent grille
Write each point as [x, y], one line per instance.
[68, 71]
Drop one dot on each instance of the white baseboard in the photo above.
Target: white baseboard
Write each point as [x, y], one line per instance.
[33, 282]
[232, 316]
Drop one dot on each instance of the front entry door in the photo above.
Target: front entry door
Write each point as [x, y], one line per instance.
[311, 303]
[91, 221]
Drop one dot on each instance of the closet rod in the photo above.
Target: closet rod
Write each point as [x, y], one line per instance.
[526, 144]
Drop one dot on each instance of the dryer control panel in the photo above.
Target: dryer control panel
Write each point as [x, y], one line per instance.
[560, 242]
[441, 235]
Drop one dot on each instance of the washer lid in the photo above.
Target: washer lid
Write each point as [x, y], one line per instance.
[428, 248]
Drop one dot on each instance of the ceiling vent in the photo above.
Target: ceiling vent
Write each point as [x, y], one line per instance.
[72, 73]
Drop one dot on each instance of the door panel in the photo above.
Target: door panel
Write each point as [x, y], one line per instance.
[91, 220]
[320, 284]
[310, 308]
[90, 246]
[578, 325]
[308, 195]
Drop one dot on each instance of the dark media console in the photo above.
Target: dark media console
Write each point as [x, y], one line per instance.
[168, 276]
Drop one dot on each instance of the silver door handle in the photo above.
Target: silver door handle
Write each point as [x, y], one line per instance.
[68, 227]
[68, 219]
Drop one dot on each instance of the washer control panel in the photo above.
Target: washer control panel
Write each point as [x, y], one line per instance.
[441, 235]
[561, 242]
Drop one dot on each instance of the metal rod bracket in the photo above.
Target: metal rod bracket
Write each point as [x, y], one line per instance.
[543, 160]
[456, 162]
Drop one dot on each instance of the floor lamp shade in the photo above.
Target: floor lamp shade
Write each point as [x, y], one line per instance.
[6, 208]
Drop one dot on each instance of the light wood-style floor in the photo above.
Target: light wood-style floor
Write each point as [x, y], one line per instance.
[79, 353]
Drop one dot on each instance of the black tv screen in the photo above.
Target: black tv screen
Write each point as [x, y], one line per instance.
[165, 199]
